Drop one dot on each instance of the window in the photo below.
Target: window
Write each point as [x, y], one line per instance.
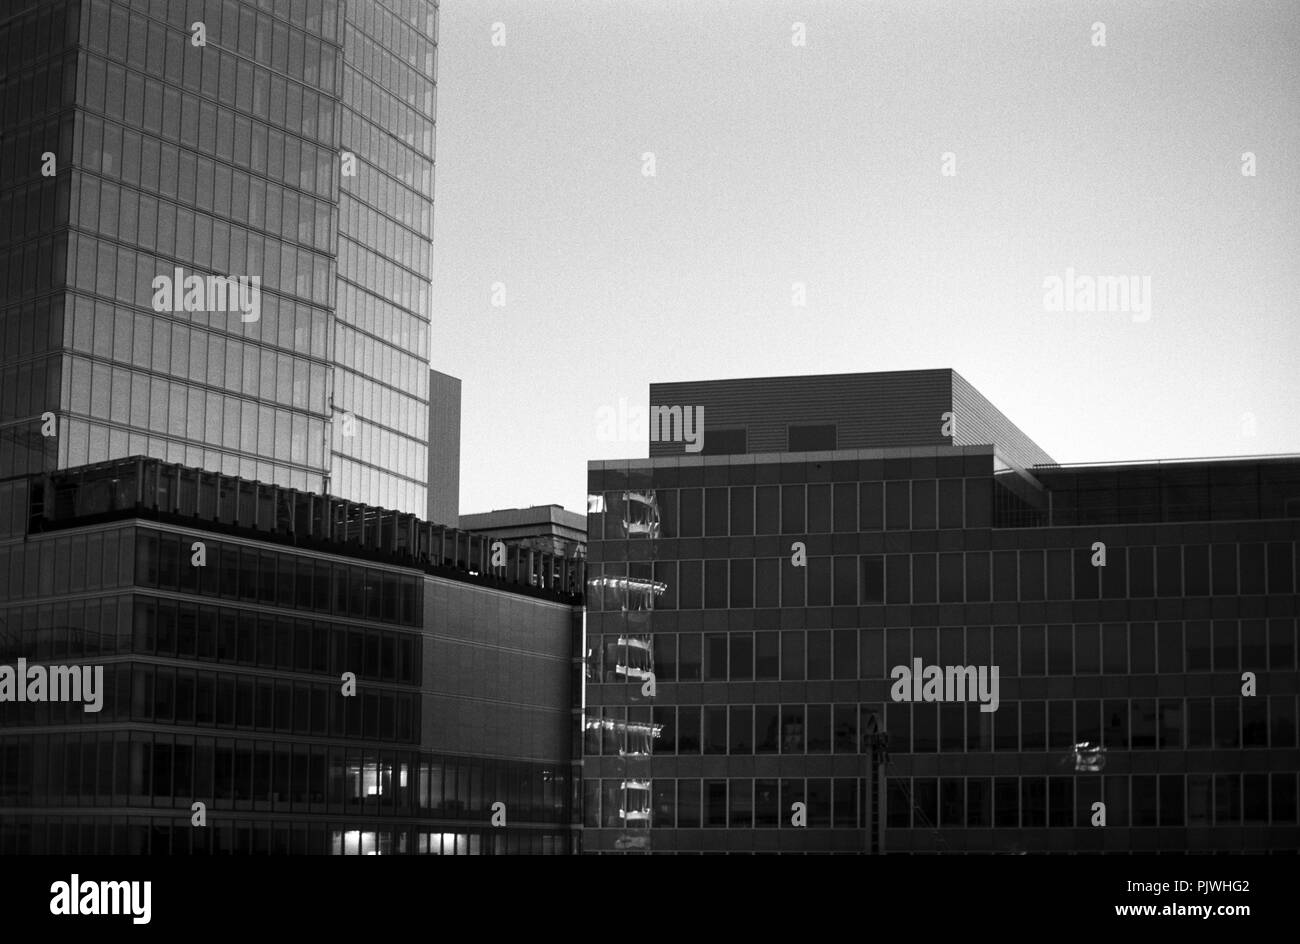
[767, 734]
[1199, 723]
[1143, 726]
[1281, 644]
[742, 729]
[1170, 636]
[767, 656]
[715, 792]
[1141, 572]
[742, 510]
[792, 655]
[741, 656]
[819, 654]
[1225, 646]
[792, 509]
[792, 729]
[768, 509]
[715, 657]
[689, 657]
[1115, 648]
[846, 653]
[873, 579]
[846, 507]
[1142, 648]
[1033, 725]
[716, 512]
[819, 509]
[925, 728]
[923, 504]
[897, 505]
[688, 804]
[1032, 652]
[715, 583]
[871, 657]
[1227, 722]
[692, 512]
[870, 506]
[741, 802]
[688, 730]
[1004, 576]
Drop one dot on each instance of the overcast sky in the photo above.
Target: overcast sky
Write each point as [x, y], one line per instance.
[823, 164]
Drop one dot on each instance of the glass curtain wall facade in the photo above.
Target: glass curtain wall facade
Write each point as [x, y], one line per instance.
[38, 90]
[1120, 684]
[385, 250]
[221, 682]
[290, 141]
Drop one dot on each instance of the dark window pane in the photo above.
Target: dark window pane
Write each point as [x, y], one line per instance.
[688, 730]
[819, 654]
[1031, 575]
[846, 729]
[792, 729]
[923, 505]
[1032, 651]
[1200, 731]
[1142, 648]
[846, 654]
[873, 579]
[792, 509]
[767, 730]
[1114, 638]
[1225, 646]
[870, 504]
[688, 657]
[742, 510]
[1033, 726]
[1142, 729]
[715, 729]
[716, 513]
[767, 577]
[741, 729]
[846, 581]
[715, 584]
[819, 729]
[1227, 722]
[897, 505]
[692, 512]
[1281, 644]
[1254, 651]
[767, 656]
[846, 506]
[792, 655]
[1196, 564]
[742, 656]
[715, 657]
[819, 509]
[768, 509]
[741, 803]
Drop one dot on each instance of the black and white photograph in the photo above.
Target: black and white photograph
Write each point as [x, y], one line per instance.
[649, 427]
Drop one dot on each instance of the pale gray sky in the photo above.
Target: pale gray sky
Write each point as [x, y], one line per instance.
[822, 164]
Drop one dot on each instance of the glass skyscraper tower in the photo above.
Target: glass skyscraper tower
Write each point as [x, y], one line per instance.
[285, 140]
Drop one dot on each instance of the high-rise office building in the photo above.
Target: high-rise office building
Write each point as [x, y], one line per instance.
[285, 141]
[752, 611]
[208, 484]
